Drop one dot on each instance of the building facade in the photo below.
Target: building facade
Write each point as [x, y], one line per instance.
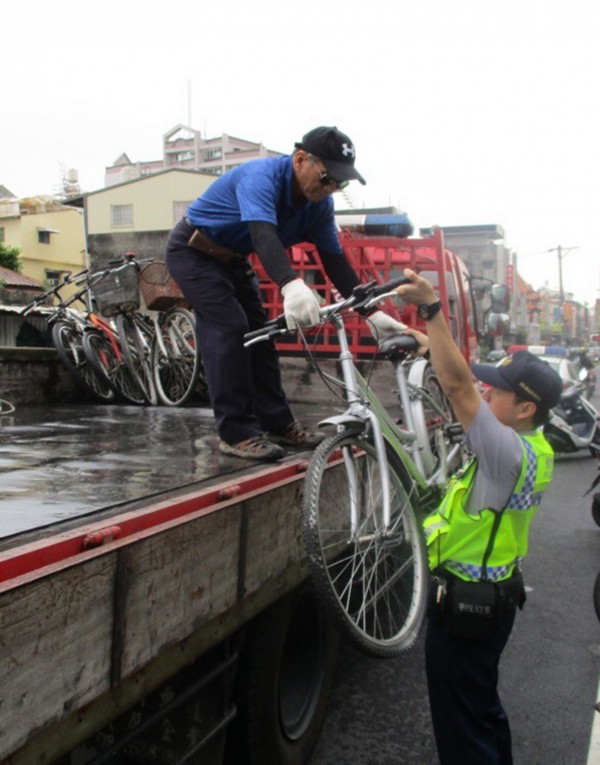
[184, 148]
[49, 234]
[137, 216]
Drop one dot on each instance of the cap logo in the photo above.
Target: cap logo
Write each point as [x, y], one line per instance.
[348, 150]
[506, 360]
[529, 391]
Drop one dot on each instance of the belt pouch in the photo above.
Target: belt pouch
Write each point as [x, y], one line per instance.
[199, 241]
[472, 609]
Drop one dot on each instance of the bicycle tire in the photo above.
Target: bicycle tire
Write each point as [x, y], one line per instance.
[431, 419]
[597, 595]
[375, 582]
[102, 357]
[136, 338]
[176, 363]
[68, 341]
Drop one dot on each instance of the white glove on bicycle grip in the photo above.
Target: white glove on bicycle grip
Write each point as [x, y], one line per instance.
[382, 325]
[300, 305]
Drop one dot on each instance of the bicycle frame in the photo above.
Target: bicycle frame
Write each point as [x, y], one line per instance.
[103, 326]
[365, 411]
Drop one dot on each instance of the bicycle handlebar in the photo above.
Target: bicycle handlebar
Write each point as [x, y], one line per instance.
[84, 277]
[79, 278]
[116, 265]
[272, 327]
[363, 296]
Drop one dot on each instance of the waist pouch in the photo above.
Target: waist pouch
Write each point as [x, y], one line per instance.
[199, 241]
[472, 609]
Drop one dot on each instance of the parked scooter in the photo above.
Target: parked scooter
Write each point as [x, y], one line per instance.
[574, 424]
[587, 378]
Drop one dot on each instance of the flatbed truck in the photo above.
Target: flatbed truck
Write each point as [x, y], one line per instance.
[181, 626]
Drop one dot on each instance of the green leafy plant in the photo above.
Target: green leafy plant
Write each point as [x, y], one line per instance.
[10, 258]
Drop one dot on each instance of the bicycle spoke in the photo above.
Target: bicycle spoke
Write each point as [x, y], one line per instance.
[175, 358]
[373, 576]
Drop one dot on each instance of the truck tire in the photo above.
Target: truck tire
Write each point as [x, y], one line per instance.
[284, 680]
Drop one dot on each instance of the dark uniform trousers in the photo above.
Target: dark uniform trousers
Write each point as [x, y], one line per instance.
[470, 724]
[244, 385]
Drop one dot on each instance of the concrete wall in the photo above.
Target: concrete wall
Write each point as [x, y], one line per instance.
[36, 376]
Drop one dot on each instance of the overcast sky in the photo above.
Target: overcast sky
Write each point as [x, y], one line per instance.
[462, 111]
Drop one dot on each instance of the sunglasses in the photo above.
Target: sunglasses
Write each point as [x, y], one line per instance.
[328, 180]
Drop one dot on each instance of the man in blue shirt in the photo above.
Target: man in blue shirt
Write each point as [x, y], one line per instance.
[262, 206]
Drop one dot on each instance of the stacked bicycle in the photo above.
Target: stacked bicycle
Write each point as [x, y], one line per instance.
[69, 325]
[117, 350]
[368, 483]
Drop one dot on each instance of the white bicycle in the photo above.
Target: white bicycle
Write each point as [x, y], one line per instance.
[369, 484]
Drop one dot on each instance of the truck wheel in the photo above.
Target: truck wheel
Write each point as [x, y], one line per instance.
[284, 680]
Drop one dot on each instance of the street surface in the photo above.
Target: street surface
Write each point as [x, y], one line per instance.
[379, 713]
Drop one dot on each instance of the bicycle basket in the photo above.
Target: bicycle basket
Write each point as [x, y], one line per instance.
[158, 288]
[117, 292]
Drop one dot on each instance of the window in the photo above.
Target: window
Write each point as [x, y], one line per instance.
[55, 277]
[44, 234]
[1, 234]
[179, 210]
[121, 215]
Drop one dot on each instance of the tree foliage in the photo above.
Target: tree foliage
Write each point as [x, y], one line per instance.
[10, 258]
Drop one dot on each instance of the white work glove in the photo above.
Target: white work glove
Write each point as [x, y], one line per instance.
[383, 326]
[300, 305]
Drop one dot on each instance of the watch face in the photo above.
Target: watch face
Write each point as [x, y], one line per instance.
[428, 311]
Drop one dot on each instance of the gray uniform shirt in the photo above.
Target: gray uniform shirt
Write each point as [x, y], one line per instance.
[499, 454]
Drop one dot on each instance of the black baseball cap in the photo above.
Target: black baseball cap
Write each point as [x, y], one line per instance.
[335, 150]
[524, 374]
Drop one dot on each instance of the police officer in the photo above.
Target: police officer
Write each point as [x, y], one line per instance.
[477, 538]
[262, 206]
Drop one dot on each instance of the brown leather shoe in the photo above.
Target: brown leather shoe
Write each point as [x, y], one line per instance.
[255, 448]
[296, 435]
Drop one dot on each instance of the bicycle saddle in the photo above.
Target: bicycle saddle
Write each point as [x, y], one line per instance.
[398, 346]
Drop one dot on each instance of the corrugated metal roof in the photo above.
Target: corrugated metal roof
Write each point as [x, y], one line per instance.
[13, 279]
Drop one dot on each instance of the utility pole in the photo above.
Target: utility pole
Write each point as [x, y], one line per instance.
[561, 293]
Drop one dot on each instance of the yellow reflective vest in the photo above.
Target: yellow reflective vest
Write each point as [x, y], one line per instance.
[488, 545]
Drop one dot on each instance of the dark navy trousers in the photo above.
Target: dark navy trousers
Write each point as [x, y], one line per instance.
[470, 724]
[244, 384]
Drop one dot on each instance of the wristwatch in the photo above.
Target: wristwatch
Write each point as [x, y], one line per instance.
[427, 312]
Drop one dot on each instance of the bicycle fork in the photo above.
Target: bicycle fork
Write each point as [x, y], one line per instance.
[384, 476]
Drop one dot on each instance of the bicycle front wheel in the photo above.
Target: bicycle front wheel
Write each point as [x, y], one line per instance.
[110, 366]
[135, 337]
[175, 357]
[68, 341]
[373, 577]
